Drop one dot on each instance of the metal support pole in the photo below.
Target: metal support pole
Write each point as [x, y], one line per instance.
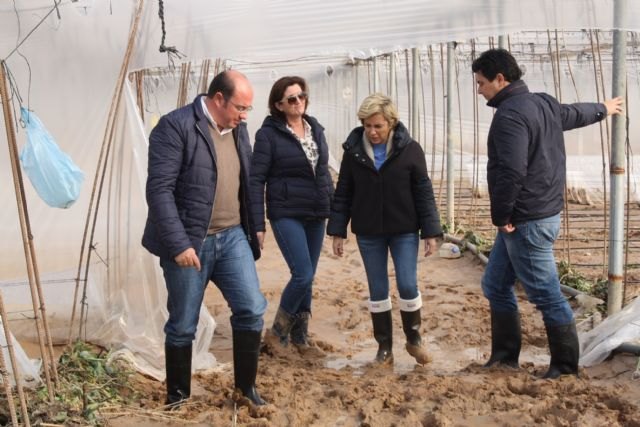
[392, 77]
[415, 121]
[450, 148]
[502, 42]
[356, 82]
[617, 167]
[375, 74]
[502, 39]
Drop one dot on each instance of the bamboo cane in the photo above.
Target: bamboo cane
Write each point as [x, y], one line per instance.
[27, 237]
[16, 371]
[99, 177]
[204, 75]
[6, 381]
[139, 77]
[444, 122]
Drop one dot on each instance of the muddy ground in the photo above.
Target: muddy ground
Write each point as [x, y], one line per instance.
[342, 388]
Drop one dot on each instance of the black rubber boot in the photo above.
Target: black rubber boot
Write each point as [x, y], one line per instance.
[506, 339]
[246, 349]
[300, 337]
[282, 325]
[565, 350]
[383, 333]
[300, 329]
[411, 321]
[178, 369]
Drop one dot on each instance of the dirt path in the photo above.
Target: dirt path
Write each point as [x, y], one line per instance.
[343, 389]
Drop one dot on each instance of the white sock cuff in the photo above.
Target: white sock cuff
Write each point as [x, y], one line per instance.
[380, 306]
[411, 304]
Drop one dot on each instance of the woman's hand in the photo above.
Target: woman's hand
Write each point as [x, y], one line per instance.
[338, 246]
[430, 246]
[260, 236]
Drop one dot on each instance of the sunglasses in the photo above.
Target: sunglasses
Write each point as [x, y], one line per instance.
[293, 99]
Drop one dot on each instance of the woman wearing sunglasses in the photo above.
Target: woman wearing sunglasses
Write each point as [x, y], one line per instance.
[290, 157]
[386, 193]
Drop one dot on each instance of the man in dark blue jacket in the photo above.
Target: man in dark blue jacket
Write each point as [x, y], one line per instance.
[200, 227]
[526, 176]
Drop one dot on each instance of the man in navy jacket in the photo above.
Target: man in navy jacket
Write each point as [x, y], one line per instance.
[526, 176]
[200, 227]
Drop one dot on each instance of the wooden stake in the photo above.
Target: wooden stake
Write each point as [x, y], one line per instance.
[27, 240]
[6, 381]
[98, 182]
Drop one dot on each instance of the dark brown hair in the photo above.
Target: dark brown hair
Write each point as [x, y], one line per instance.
[277, 92]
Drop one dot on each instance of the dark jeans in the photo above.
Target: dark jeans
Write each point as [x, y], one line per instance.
[300, 242]
[227, 261]
[527, 254]
[375, 254]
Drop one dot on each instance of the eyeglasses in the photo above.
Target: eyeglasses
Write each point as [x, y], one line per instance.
[241, 108]
[293, 99]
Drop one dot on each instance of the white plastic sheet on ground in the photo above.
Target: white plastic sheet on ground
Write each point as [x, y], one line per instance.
[622, 327]
[28, 369]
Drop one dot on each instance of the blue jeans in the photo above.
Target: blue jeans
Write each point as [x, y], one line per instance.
[527, 254]
[404, 252]
[300, 241]
[226, 260]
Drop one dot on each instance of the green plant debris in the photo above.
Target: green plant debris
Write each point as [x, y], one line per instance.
[86, 382]
[484, 245]
[572, 278]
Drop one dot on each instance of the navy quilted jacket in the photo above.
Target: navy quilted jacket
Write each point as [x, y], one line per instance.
[526, 170]
[293, 188]
[181, 183]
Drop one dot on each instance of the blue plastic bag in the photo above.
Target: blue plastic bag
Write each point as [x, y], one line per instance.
[52, 173]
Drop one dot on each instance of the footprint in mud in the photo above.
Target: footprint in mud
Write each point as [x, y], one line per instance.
[431, 323]
[535, 341]
[355, 263]
[338, 302]
[350, 321]
[268, 293]
[324, 346]
[524, 387]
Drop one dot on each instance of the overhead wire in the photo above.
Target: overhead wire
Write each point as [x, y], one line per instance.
[55, 7]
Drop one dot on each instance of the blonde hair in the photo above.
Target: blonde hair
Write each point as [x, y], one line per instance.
[378, 103]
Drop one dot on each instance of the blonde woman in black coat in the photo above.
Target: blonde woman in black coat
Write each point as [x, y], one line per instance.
[385, 192]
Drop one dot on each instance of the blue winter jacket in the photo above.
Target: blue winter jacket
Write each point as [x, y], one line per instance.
[527, 162]
[294, 189]
[181, 183]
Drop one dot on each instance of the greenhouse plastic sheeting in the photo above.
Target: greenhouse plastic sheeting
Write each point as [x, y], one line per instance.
[66, 72]
[622, 327]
